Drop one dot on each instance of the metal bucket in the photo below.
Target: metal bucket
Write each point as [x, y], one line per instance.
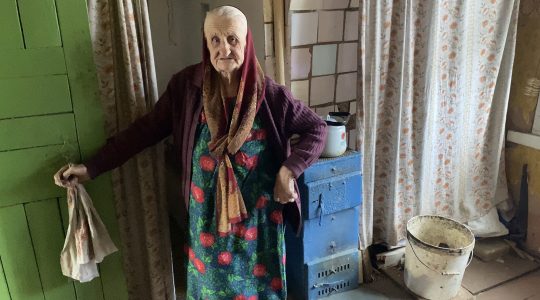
[438, 252]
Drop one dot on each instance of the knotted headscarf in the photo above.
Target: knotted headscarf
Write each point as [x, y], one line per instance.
[229, 134]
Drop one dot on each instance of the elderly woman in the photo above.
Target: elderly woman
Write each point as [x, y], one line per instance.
[231, 127]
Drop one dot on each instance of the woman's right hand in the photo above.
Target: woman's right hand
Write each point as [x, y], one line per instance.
[70, 175]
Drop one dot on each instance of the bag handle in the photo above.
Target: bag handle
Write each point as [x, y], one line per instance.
[442, 273]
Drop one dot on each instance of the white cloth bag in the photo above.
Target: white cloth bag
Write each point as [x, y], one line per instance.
[87, 240]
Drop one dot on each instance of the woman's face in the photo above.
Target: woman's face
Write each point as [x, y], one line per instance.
[226, 40]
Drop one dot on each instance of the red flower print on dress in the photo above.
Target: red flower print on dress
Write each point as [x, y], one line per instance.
[239, 297]
[256, 135]
[254, 297]
[251, 234]
[259, 270]
[260, 135]
[197, 192]
[207, 163]
[252, 162]
[261, 202]
[239, 230]
[189, 252]
[207, 239]
[276, 284]
[245, 161]
[276, 216]
[202, 118]
[199, 265]
[224, 258]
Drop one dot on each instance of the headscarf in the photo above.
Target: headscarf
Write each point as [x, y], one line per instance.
[228, 135]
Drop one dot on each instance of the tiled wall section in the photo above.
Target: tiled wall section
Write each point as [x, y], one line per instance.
[323, 58]
[269, 56]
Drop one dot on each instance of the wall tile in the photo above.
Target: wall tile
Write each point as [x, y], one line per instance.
[335, 4]
[304, 28]
[300, 90]
[352, 107]
[268, 11]
[269, 39]
[269, 63]
[348, 57]
[323, 111]
[322, 90]
[324, 59]
[330, 26]
[300, 63]
[351, 26]
[352, 139]
[355, 3]
[305, 4]
[346, 87]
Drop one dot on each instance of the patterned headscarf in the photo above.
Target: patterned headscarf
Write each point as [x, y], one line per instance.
[228, 135]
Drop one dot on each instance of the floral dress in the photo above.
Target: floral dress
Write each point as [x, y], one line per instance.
[248, 263]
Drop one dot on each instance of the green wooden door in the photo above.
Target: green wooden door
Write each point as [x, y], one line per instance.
[50, 114]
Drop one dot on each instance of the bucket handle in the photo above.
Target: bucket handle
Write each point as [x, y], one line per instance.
[442, 273]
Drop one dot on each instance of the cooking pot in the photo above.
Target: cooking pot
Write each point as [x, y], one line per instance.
[336, 138]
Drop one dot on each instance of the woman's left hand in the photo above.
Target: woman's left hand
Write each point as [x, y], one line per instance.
[284, 187]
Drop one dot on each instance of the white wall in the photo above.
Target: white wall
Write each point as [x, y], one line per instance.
[177, 32]
[176, 36]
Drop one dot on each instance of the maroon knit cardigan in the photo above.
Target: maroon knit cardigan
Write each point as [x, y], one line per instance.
[177, 113]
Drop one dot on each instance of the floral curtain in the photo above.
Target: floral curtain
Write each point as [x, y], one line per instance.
[125, 66]
[434, 85]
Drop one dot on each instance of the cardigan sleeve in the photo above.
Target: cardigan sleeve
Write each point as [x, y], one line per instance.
[144, 132]
[300, 119]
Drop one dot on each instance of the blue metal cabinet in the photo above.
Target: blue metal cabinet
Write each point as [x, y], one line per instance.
[331, 275]
[329, 235]
[323, 259]
[331, 195]
[350, 162]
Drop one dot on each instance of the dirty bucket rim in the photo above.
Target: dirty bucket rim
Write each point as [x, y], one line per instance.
[459, 250]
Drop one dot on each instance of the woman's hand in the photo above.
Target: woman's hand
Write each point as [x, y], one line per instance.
[284, 187]
[70, 175]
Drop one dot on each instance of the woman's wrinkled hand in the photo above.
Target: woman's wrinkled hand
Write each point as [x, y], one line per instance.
[284, 188]
[70, 175]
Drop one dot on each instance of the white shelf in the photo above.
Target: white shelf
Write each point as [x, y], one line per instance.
[525, 139]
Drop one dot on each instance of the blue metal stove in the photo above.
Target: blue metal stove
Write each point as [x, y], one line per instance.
[323, 260]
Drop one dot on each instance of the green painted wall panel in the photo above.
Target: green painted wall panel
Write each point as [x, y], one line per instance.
[85, 291]
[20, 97]
[18, 255]
[89, 119]
[76, 36]
[82, 76]
[47, 233]
[10, 30]
[32, 62]
[27, 175]
[4, 291]
[100, 190]
[30, 175]
[37, 131]
[39, 23]
[88, 113]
